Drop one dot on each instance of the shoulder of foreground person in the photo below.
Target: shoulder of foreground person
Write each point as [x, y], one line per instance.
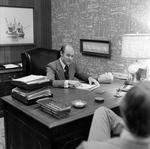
[96, 145]
[115, 143]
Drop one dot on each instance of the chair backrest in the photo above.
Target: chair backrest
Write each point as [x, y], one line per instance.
[34, 61]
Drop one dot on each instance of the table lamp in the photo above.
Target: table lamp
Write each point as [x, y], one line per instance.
[136, 46]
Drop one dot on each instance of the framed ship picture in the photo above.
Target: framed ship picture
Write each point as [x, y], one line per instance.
[16, 25]
[101, 48]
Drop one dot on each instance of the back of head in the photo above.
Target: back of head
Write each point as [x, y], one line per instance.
[135, 108]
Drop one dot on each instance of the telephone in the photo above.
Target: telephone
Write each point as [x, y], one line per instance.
[106, 78]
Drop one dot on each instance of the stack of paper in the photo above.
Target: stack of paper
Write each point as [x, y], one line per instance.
[42, 92]
[7, 66]
[31, 82]
[32, 79]
[30, 88]
[89, 87]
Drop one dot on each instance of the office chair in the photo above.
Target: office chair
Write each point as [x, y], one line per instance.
[34, 61]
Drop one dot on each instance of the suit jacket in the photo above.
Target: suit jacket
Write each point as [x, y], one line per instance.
[55, 72]
[114, 143]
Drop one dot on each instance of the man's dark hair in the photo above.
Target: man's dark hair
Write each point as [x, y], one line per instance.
[63, 48]
[135, 108]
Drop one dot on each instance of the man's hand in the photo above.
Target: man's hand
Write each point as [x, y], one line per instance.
[73, 83]
[93, 81]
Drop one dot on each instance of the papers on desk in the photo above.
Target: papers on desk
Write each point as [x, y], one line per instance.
[88, 87]
[8, 66]
[30, 97]
[125, 88]
[31, 82]
[42, 92]
[11, 66]
[32, 79]
[30, 88]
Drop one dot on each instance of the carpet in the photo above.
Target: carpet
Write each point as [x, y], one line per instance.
[2, 134]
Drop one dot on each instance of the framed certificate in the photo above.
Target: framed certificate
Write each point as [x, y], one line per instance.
[101, 48]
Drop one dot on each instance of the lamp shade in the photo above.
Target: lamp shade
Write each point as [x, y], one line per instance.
[136, 46]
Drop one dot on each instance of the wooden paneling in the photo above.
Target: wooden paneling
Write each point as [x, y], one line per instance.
[25, 3]
[43, 23]
[37, 22]
[46, 23]
[42, 29]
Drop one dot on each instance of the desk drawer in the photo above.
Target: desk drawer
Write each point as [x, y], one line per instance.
[8, 77]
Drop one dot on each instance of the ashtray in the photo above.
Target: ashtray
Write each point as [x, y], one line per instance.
[99, 99]
[79, 103]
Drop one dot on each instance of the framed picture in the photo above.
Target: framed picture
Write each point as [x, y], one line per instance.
[16, 25]
[101, 48]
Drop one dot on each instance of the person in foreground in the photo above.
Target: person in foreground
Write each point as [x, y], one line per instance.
[135, 109]
[63, 70]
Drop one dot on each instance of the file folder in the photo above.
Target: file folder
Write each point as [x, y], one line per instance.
[31, 82]
[30, 97]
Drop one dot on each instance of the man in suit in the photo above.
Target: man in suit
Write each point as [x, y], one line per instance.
[135, 133]
[64, 70]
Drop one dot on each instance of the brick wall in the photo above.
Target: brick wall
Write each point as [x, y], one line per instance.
[73, 20]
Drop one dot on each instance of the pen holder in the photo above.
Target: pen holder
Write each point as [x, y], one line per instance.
[142, 74]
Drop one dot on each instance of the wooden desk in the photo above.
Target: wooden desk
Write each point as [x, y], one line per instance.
[27, 127]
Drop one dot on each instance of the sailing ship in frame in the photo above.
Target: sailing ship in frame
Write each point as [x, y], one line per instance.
[16, 25]
[101, 48]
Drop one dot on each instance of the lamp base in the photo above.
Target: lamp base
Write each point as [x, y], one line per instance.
[133, 74]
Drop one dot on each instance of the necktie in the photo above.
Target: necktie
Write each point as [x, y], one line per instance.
[66, 72]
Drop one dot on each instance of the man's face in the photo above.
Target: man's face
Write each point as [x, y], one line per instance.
[67, 56]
